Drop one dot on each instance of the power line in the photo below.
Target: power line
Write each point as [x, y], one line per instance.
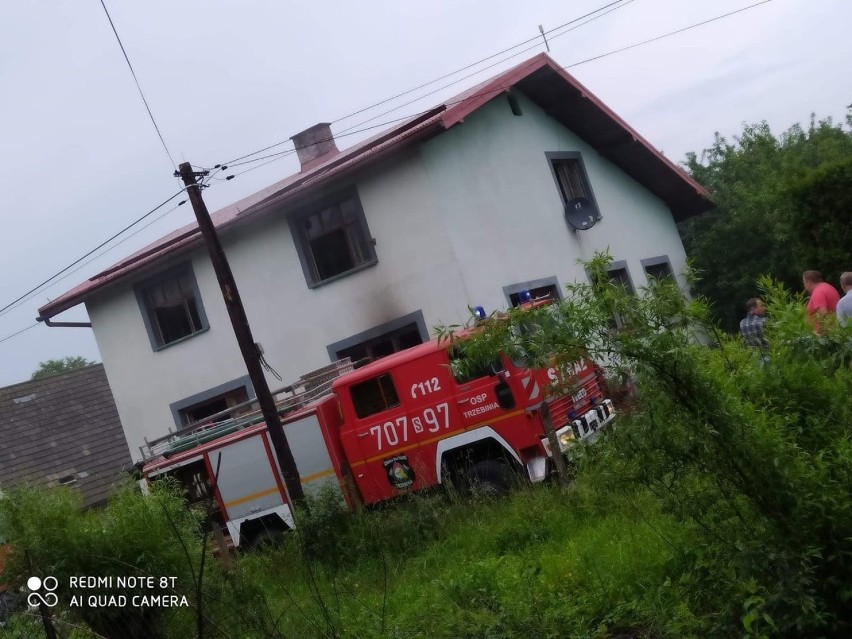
[494, 64]
[452, 73]
[138, 86]
[27, 298]
[8, 306]
[478, 62]
[666, 35]
[23, 330]
[346, 132]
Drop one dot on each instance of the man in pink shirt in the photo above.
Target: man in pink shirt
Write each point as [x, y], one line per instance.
[823, 297]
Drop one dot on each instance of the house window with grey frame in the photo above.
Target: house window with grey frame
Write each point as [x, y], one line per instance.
[570, 176]
[618, 274]
[542, 289]
[216, 405]
[171, 307]
[380, 341]
[659, 268]
[228, 400]
[332, 238]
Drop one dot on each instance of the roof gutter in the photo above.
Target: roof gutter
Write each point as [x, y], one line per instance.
[48, 322]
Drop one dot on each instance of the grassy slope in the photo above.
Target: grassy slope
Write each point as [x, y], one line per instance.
[540, 563]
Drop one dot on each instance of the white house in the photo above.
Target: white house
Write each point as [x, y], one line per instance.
[364, 250]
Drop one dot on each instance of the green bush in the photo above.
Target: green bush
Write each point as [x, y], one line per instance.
[50, 534]
[751, 454]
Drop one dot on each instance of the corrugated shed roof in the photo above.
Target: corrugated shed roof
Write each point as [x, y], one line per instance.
[540, 78]
[63, 426]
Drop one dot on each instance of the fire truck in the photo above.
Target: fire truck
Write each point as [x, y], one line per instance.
[403, 423]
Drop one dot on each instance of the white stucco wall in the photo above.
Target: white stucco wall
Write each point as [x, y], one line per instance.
[496, 191]
[467, 213]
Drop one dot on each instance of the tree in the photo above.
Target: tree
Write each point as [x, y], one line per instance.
[754, 229]
[58, 366]
[820, 217]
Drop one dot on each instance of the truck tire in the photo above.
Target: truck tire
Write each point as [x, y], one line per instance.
[491, 478]
[266, 538]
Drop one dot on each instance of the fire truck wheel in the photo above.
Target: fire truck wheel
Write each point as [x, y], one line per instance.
[491, 478]
[266, 538]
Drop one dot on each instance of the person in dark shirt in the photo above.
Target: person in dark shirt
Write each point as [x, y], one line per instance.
[751, 326]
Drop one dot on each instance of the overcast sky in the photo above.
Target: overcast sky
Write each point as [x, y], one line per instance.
[81, 159]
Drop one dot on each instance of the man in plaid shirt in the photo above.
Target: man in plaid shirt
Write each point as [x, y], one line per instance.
[752, 325]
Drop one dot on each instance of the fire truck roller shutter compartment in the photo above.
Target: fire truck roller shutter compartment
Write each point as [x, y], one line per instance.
[311, 454]
[245, 486]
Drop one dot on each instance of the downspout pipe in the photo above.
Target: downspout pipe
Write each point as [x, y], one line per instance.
[48, 322]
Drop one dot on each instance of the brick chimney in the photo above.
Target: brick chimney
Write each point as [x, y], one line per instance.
[315, 145]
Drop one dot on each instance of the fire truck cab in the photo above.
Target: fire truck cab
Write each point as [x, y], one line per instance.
[411, 420]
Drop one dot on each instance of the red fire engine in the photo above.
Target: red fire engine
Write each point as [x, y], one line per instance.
[403, 423]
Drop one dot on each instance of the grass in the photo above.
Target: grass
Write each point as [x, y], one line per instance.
[540, 563]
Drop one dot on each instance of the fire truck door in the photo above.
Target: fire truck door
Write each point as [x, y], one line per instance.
[482, 394]
[386, 440]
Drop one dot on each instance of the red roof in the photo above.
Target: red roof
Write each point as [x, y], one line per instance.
[540, 78]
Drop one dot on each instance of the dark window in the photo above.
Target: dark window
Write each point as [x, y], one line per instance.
[202, 410]
[659, 271]
[571, 179]
[382, 345]
[333, 239]
[622, 277]
[617, 273]
[374, 396]
[173, 307]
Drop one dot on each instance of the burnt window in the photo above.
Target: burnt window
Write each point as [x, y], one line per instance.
[332, 239]
[200, 411]
[382, 345]
[374, 396]
[171, 307]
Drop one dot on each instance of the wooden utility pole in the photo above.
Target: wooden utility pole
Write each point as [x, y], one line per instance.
[242, 331]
